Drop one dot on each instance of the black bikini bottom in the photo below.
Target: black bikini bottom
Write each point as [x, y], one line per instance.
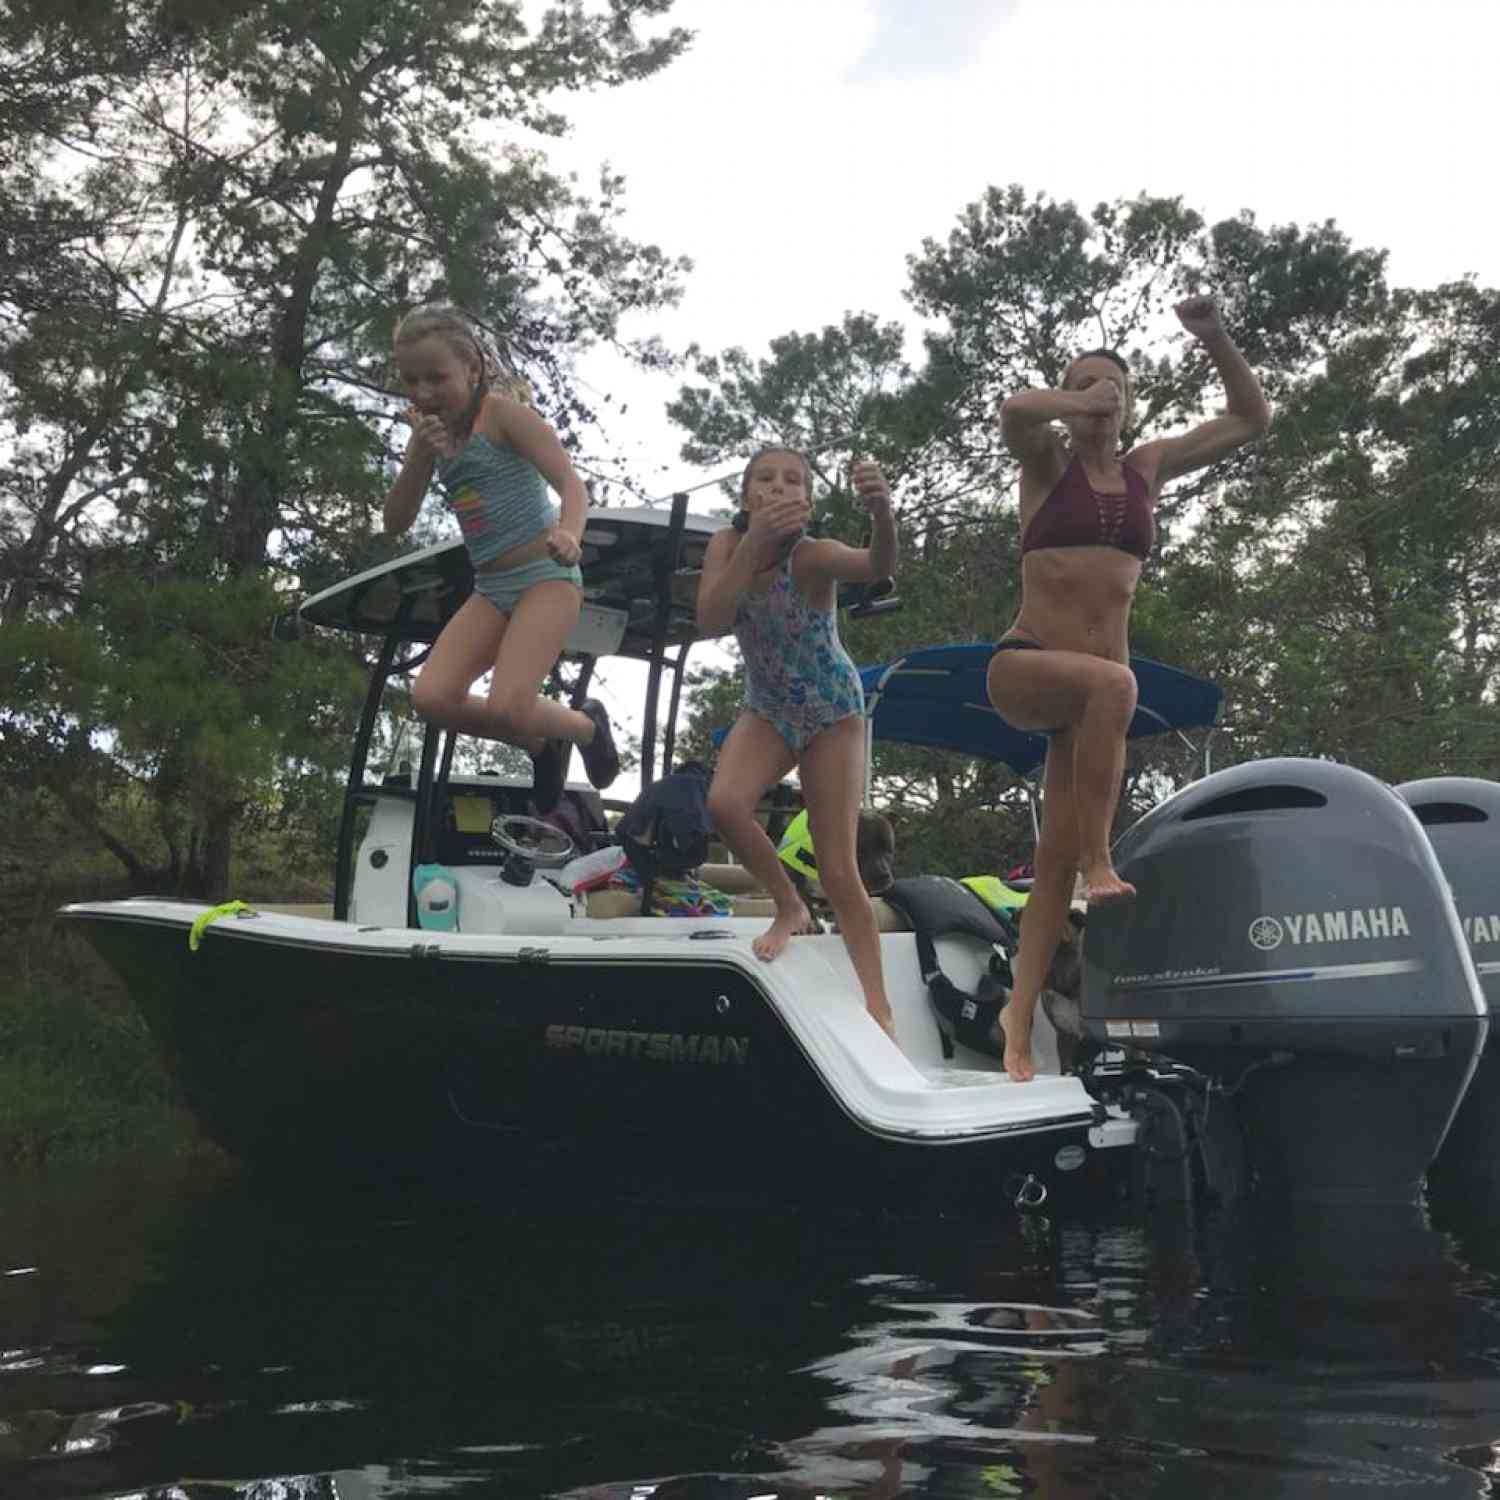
[1020, 643]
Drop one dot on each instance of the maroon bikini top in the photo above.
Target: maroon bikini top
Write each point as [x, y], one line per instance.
[1075, 514]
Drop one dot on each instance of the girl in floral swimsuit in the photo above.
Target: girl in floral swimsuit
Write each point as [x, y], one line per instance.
[804, 707]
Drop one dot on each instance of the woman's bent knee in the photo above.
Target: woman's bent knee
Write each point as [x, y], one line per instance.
[1114, 690]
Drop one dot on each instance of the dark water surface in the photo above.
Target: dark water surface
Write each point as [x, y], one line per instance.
[180, 1334]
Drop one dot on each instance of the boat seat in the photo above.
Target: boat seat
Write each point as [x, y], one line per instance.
[734, 880]
[617, 903]
[740, 883]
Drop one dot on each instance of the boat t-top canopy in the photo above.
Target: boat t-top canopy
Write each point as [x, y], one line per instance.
[936, 696]
[628, 555]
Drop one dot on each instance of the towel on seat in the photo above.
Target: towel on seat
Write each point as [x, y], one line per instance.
[675, 896]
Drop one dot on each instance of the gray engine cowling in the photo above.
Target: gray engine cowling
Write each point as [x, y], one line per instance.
[1293, 937]
[1461, 815]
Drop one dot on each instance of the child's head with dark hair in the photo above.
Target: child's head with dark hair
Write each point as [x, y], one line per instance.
[764, 462]
[875, 849]
[1112, 355]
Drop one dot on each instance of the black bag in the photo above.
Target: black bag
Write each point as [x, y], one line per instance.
[665, 831]
[937, 906]
[973, 1019]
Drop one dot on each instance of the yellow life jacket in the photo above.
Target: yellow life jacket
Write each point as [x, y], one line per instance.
[796, 847]
[995, 893]
[796, 850]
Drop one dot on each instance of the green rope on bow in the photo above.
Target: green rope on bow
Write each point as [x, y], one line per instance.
[225, 909]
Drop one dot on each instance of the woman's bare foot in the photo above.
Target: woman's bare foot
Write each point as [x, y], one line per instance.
[1101, 886]
[1017, 1028]
[795, 922]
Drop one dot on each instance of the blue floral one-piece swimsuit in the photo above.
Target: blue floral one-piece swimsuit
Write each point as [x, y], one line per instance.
[798, 676]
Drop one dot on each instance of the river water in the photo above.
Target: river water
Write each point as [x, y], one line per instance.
[179, 1334]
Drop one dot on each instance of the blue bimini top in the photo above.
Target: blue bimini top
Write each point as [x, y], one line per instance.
[499, 497]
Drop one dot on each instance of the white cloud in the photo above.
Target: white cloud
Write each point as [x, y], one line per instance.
[803, 148]
[798, 161]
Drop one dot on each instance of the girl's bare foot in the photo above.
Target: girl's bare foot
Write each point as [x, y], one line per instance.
[1017, 1029]
[788, 924]
[1101, 886]
[883, 1018]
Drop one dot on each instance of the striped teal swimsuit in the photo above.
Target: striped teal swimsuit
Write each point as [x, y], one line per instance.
[500, 501]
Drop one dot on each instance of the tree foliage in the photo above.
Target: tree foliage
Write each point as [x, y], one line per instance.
[1337, 580]
[213, 212]
[216, 213]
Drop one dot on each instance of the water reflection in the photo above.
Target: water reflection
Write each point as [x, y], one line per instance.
[185, 1338]
[942, 1385]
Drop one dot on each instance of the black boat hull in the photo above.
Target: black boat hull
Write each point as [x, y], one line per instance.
[485, 1073]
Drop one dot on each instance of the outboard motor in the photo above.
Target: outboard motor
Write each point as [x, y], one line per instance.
[1462, 817]
[1293, 939]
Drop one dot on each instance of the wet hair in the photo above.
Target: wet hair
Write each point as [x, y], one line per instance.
[441, 320]
[1112, 355]
[760, 453]
[1118, 360]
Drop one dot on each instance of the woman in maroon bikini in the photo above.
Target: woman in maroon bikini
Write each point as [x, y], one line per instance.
[1063, 668]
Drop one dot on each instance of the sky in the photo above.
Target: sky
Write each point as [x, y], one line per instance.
[802, 149]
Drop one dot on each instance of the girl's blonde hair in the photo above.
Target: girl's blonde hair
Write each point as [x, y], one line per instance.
[441, 320]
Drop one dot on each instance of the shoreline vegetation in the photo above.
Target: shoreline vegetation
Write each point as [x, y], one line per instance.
[80, 1076]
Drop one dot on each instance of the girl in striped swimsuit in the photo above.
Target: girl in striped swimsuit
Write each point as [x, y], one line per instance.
[495, 458]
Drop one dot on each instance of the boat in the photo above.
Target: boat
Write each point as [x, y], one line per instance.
[565, 1038]
[1290, 1005]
